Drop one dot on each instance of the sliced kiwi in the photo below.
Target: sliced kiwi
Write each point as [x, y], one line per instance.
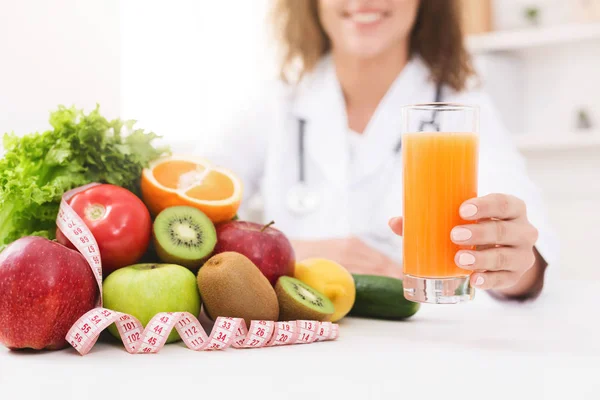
[184, 236]
[297, 300]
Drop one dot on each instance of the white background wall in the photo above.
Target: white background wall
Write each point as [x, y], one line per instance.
[57, 52]
[187, 64]
[541, 89]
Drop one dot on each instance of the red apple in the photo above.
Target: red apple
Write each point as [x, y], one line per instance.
[267, 247]
[44, 288]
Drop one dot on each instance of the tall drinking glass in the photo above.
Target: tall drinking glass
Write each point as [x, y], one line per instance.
[440, 146]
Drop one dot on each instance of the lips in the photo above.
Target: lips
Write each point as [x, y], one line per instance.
[366, 17]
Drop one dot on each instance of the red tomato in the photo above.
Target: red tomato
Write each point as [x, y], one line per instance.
[119, 221]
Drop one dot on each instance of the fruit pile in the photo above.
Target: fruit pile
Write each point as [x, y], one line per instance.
[178, 249]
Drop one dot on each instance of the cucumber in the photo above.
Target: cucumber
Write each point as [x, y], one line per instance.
[381, 297]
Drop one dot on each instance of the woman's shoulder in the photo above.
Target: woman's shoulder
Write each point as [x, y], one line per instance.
[473, 94]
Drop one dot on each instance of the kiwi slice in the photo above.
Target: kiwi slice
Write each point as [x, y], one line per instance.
[297, 300]
[184, 235]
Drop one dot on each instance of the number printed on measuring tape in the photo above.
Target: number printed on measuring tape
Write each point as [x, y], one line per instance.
[226, 332]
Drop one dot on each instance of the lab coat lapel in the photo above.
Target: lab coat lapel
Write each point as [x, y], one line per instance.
[319, 101]
[383, 132]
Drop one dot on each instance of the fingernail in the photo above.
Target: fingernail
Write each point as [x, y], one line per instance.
[461, 234]
[479, 281]
[467, 210]
[466, 259]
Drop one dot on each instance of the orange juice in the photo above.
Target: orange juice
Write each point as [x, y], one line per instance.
[440, 173]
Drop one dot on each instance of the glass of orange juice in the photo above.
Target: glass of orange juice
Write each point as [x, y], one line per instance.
[440, 147]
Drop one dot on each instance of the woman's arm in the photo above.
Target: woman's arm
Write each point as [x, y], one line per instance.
[531, 283]
[356, 256]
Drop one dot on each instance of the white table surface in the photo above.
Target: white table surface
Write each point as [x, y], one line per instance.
[549, 349]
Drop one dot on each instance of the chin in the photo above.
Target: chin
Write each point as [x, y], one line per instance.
[367, 49]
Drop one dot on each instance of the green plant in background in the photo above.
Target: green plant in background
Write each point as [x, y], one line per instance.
[584, 122]
[38, 168]
[532, 15]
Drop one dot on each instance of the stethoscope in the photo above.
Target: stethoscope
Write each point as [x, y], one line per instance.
[301, 199]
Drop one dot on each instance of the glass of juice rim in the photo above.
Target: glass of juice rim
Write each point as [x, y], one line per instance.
[440, 155]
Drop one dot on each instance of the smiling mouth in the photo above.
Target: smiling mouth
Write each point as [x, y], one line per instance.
[364, 17]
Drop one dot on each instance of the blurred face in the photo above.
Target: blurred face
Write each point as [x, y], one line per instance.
[367, 28]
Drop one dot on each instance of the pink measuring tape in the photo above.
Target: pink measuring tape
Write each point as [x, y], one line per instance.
[227, 332]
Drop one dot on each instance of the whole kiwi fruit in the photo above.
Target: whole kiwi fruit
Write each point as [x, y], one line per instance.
[232, 286]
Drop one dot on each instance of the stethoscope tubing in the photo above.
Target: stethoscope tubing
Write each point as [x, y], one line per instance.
[301, 157]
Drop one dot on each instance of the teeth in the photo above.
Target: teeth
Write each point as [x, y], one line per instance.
[366, 18]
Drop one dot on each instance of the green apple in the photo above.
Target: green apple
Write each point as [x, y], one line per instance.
[144, 290]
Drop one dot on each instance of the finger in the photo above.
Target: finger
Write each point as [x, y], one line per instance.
[494, 279]
[500, 206]
[497, 259]
[396, 225]
[506, 233]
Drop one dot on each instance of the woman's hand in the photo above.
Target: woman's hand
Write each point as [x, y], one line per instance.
[505, 241]
[356, 256]
[504, 258]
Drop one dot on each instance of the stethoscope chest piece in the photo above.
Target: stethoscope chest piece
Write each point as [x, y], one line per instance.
[301, 199]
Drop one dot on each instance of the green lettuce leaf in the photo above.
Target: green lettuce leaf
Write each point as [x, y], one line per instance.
[38, 168]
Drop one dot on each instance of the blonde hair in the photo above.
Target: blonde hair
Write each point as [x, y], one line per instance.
[436, 37]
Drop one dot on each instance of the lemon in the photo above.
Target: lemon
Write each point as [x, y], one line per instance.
[331, 279]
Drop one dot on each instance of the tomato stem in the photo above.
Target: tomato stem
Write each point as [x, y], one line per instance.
[267, 225]
[95, 212]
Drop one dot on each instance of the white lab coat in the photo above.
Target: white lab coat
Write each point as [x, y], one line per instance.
[263, 150]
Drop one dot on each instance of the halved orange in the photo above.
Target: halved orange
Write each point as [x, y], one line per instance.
[191, 181]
